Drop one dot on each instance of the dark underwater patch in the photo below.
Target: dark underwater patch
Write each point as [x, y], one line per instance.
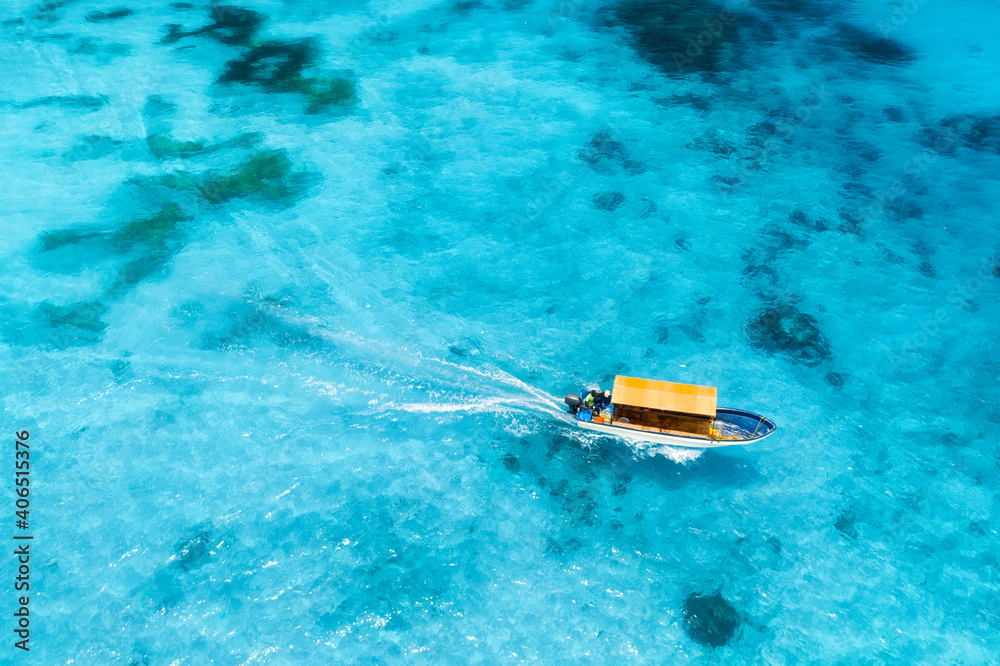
[714, 141]
[835, 379]
[581, 508]
[662, 333]
[53, 240]
[194, 552]
[158, 237]
[620, 484]
[163, 146]
[91, 147]
[846, 524]
[710, 620]
[857, 190]
[511, 462]
[682, 36]
[465, 6]
[158, 107]
[605, 151]
[70, 325]
[230, 25]
[603, 146]
[554, 547]
[851, 222]
[871, 46]
[86, 102]
[699, 102]
[256, 320]
[266, 174]
[799, 218]
[893, 114]
[85, 316]
[807, 9]
[762, 272]
[157, 230]
[864, 150]
[168, 584]
[47, 12]
[277, 66]
[691, 332]
[112, 15]
[133, 272]
[976, 132]
[763, 132]
[784, 329]
[102, 50]
[121, 369]
[271, 63]
[609, 201]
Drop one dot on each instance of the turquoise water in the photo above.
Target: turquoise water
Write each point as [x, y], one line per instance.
[291, 294]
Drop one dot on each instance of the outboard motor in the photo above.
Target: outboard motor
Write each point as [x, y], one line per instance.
[574, 402]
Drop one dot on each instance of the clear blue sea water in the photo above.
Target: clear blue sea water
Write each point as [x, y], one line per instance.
[290, 294]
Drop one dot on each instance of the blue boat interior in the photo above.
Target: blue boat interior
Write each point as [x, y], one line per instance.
[742, 424]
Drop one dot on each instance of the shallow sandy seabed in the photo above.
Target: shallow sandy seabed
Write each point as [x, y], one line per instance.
[290, 295]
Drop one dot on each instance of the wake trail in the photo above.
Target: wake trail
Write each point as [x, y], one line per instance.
[457, 378]
[457, 389]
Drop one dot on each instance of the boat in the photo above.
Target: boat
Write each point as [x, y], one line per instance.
[651, 410]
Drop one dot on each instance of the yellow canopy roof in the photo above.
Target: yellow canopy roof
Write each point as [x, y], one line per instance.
[668, 396]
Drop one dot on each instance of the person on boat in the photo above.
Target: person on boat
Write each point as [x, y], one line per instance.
[596, 401]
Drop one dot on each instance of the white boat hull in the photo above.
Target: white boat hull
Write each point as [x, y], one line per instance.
[659, 437]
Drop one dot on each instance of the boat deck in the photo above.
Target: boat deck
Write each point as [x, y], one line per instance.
[669, 424]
